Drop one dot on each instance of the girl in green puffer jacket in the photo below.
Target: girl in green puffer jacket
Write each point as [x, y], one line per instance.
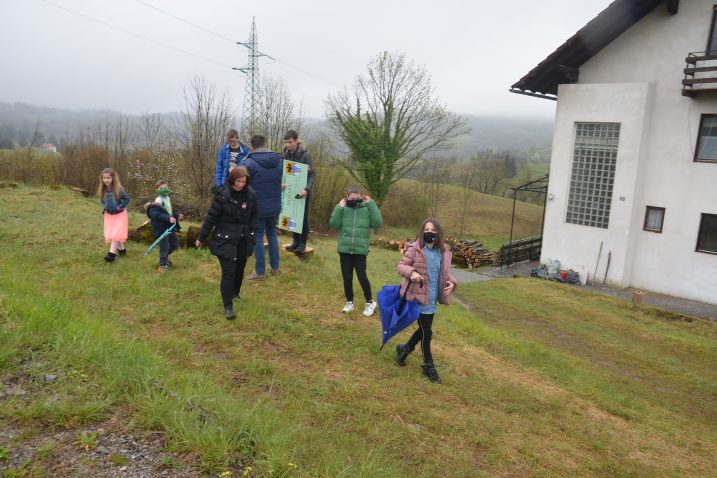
[354, 216]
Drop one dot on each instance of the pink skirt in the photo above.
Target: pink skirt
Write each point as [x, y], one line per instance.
[116, 226]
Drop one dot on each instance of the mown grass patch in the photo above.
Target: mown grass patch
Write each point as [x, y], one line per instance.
[539, 380]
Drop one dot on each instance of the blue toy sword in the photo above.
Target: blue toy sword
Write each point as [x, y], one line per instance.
[164, 234]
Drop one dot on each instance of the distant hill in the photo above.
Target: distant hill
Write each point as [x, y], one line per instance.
[530, 136]
[518, 134]
[527, 138]
[18, 120]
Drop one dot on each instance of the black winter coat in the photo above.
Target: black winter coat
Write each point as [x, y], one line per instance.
[231, 217]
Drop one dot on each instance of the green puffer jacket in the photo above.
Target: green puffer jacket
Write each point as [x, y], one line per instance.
[354, 225]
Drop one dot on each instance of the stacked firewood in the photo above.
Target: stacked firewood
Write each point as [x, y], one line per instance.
[466, 253]
[392, 244]
[470, 253]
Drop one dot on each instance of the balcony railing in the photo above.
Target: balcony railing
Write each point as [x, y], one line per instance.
[700, 73]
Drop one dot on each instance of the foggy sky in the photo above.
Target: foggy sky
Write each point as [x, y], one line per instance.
[473, 50]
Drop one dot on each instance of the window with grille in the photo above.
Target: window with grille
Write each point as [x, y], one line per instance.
[592, 174]
[707, 141]
[654, 216]
[707, 237]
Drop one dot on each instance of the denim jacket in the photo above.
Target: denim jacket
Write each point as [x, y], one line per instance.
[112, 205]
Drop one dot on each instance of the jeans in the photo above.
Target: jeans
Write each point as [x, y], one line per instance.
[267, 225]
[304, 236]
[232, 274]
[423, 335]
[349, 262]
[166, 246]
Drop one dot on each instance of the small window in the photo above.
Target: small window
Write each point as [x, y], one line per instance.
[707, 140]
[654, 216]
[707, 238]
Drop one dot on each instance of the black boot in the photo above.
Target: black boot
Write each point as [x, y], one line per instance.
[402, 352]
[110, 256]
[429, 370]
[293, 246]
[229, 313]
[300, 249]
[122, 252]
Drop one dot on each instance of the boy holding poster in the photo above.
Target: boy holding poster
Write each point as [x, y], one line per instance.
[296, 152]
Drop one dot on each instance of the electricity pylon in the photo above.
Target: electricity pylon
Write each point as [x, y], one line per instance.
[251, 91]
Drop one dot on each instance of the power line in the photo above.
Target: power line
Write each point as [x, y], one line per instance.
[114, 27]
[206, 30]
[232, 41]
[307, 72]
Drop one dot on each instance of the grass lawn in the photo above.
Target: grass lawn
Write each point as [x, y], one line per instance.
[486, 217]
[539, 379]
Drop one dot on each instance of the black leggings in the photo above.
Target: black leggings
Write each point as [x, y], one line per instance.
[232, 273]
[423, 335]
[349, 262]
[304, 236]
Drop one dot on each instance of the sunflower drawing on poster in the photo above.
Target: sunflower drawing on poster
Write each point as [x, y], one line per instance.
[294, 180]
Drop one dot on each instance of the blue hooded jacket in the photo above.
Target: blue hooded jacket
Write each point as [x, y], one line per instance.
[266, 171]
[222, 171]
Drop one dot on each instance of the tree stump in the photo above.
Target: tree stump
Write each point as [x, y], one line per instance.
[142, 233]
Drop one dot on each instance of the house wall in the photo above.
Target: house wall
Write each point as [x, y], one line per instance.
[636, 80]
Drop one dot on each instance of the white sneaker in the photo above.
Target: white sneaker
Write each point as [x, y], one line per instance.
[369, 308]
[348, 307]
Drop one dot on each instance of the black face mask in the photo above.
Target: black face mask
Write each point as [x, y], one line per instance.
[429, 237]
[353, 202]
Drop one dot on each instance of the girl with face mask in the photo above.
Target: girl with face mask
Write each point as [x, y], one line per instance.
[354, 216]
[427, 260]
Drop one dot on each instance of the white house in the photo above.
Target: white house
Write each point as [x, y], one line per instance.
[634, 160]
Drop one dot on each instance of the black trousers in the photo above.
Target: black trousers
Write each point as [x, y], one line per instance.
[232, 273]
[349, 262]
[423, 335]
[304, 236]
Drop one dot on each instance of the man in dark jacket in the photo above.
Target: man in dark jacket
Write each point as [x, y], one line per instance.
[265, 168]
[294, 150]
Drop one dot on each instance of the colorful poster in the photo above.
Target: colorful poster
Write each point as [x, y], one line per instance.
[294, 178]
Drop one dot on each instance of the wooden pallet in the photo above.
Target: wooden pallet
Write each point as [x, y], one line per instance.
[306, 254]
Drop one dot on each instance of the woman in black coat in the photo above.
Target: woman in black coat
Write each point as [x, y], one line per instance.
[232, 220]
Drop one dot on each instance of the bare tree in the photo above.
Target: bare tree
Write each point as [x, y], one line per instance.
[206, 117]
[277, 112]
[150, 131]
[390, 121]
[27, 169]
[121, 138]
[467, 180]
[490, 171]
[434, 176]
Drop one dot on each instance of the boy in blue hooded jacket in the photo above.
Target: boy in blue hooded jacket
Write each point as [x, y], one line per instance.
[230, 155]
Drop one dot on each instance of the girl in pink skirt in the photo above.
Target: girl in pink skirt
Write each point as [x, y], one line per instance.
[115, 200]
